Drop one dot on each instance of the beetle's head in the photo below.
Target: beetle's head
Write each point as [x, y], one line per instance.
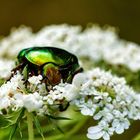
[52, 74]
[55, 73]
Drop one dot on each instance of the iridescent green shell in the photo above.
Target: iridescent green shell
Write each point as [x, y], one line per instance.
[41, 55]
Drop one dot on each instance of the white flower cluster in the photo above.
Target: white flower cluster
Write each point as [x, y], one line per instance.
[5, 68]
[94, 43]
[35, 80]
[15, 94]
[63, 91]
[96, 93]
[18, 39]
[108, 100]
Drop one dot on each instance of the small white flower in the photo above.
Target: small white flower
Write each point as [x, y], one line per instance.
[88, 108]
[33, 102]
[95, 133]
[42, 89]
[70, 93]
[5, 68]
[79, 79]
[35, 79]
[4, 103]
[120, 125]
[18, 101]
[100, 131]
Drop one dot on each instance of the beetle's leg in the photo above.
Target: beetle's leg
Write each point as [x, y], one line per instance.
[14, 70]
[46, 81]
[72, 74]
[65, 71]
[18, 67]
[26, 73]
[65, 67]
[78, 71]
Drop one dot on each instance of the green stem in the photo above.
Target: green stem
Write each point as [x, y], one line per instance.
[77, 127]
[137, 137]
[71, 132]
[30, 125]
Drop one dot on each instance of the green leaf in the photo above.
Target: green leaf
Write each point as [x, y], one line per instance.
[9, 119]
[19, 129]
[58, 127]
[4, 122]
[38, 126]
[13, 130]
[53, 120]
[25, 72]
[16, 124]
[58, 118]
[2, 81]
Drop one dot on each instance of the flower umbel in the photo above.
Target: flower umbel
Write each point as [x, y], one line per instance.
[108, 99]
[97, 94]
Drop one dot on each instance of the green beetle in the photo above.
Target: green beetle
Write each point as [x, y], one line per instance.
[52, 63]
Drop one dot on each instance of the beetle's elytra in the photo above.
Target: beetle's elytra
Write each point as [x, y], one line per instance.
[52, 63]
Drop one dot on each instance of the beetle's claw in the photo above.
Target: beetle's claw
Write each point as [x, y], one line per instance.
[78, 71]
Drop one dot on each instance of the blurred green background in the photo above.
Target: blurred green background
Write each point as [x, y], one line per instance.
[123, 14]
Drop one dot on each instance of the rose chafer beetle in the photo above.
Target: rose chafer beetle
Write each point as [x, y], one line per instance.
[52, 63]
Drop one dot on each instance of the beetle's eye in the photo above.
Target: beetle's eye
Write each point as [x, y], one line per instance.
[52, 74]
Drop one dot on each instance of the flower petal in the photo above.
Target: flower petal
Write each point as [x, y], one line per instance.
[94, 129]
[95, 136]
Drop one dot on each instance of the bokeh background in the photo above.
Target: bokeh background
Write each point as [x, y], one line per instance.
[123, 14]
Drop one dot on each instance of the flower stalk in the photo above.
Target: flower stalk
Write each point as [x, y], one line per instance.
[30, 125]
